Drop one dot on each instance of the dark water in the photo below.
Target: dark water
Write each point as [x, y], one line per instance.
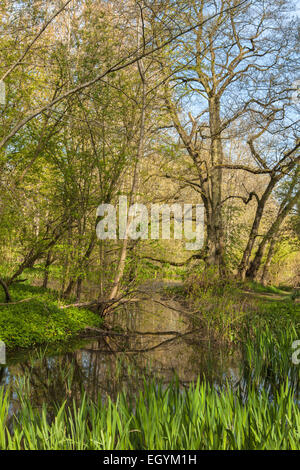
[107, 364]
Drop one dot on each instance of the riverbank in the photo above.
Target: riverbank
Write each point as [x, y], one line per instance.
[34, 318]
[235, 387]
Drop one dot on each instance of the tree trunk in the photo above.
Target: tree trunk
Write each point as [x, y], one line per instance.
[46, 270]
[78, 288]
[69, 289]
[244, 264]
[140, 152]
[6, 291]
[215, 233]
[255, 264]
[33, 256]
[267, 264]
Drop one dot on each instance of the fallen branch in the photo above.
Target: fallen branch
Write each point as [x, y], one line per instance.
[99, 303]
[173, 263]
[8, 304]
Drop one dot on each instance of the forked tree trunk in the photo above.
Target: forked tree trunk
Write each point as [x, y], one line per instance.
[244, 264]
[255, 264]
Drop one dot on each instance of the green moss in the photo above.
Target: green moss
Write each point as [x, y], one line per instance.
[40, 320]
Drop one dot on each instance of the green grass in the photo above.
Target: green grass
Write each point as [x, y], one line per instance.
[226, 308]
[259, 288]
[163, 418]
[40, 320]
[267, 344]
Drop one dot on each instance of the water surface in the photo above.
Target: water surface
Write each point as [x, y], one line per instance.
[107, 364]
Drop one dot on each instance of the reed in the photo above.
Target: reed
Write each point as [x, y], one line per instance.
[158, 417]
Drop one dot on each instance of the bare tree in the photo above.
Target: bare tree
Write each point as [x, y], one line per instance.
[227, 82]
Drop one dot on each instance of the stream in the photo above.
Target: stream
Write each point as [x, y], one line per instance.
[108, 364]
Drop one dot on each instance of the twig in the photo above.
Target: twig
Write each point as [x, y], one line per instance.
[8, 304]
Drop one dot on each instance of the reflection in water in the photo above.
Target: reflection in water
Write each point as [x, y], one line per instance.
[107, 364]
